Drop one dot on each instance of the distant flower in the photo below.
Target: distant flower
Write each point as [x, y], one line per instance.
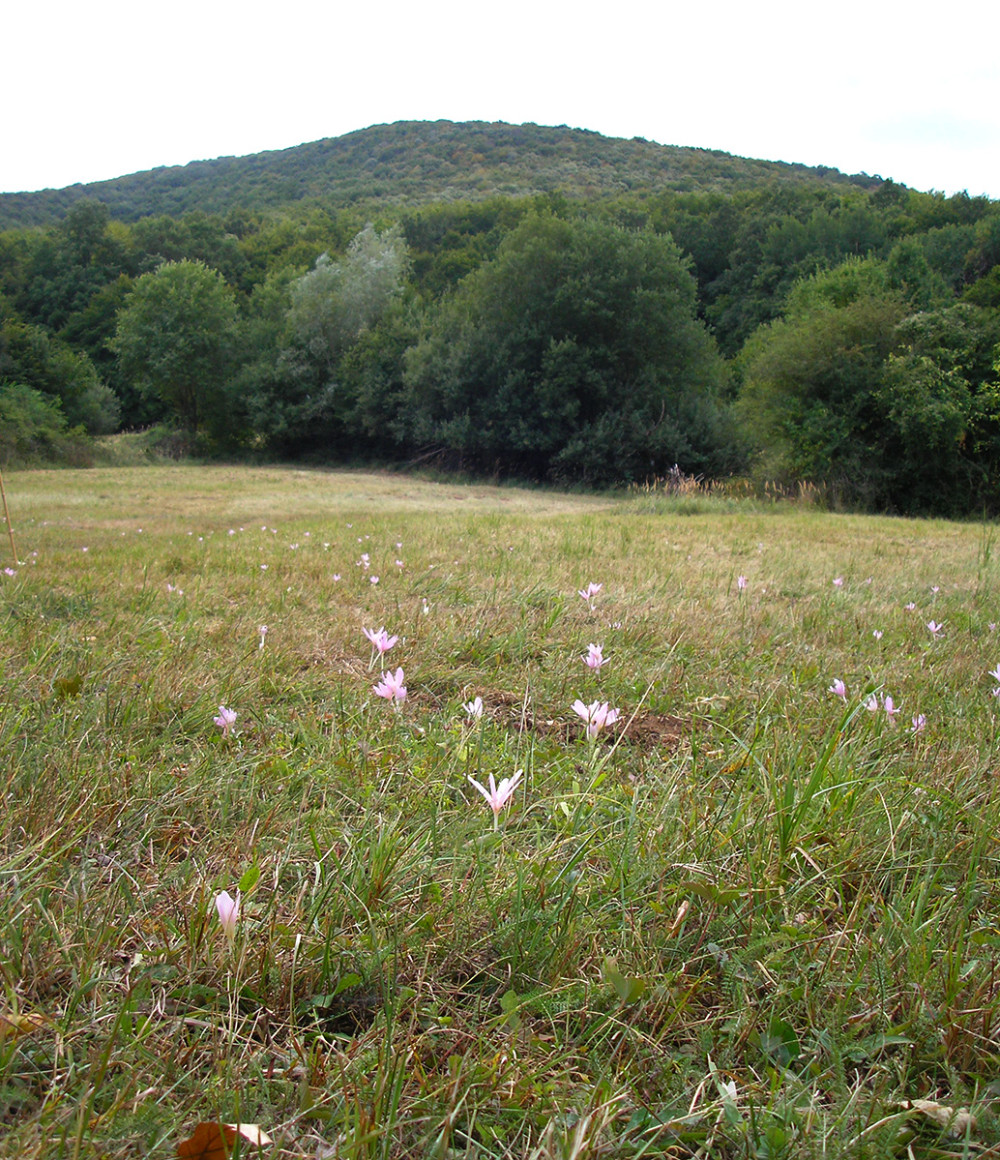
[365, 561]
[229, 912]
[9, 572]
[996, 692]
[934, 627]
[890, 709]
[225, 720]
[741, 582]
[391, 687]
[372, 579]
[992, 626]
[935, 589]
[336, 576]
[380, 639]
[838, 688]
[263, 633]
[838, 582]
[596, 715]
[424, 606]
[871, 703]
[474, 709]
[910, 607]
[590, 592]
[919, 724]
[594, 657]
[399, 563]
[877, 633]
[497, 796]
[995, 673]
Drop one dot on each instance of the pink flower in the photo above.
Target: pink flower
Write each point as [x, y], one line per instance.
[838, 688]
[593, 658]
[391, 687]
[263, 633]
[919, 723]
[871, 703]
[373, 579]
[877, 633]
[934, 627]
[838, 582]
[225, 720]
[910, 607]
[890, 709]
[590, 592]
[995, 673]
[596, 715]
[229, 912]
[741, 582]
[380, 639]
[474, 709]
[497, 796]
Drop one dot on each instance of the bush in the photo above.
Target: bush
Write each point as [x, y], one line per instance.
[33, 429]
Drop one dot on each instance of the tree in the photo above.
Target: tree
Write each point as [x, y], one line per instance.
[175, 339]
[574, 354]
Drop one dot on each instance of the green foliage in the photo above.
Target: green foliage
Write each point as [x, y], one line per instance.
[33, 429]
[175, 338]
[574, 353]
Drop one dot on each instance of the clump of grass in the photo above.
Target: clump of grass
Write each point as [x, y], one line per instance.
[750, 918]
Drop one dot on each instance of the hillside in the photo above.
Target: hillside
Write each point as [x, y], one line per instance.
[421, 161]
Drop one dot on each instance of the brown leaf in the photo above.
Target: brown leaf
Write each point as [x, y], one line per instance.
[14, 1025]
[211, 1141]
[958, 1121]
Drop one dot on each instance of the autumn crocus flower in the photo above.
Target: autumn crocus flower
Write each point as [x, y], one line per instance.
[919, 724]
[934, 627]
[594, 657]
[391, 687]
[380, 639]
[741, 582]
[497, 796]
[995, 674]
[229, 912]
[890, 709]
[474, 709]
[596, 715]
[225, 720]
[590, 592]
[838, 688]
[263, 633]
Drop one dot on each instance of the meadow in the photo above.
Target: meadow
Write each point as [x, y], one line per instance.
[756, 915]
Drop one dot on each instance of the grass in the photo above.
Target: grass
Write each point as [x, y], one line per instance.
[752, 919]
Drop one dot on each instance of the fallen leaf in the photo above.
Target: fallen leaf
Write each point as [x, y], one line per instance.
[211, 1141]
[958, 1121]
[13, 1025]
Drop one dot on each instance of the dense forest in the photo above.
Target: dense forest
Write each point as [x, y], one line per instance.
[543, 304]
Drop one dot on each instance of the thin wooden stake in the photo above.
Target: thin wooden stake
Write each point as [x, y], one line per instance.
[6, 516]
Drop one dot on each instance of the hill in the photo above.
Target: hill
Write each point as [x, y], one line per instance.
[421, 161]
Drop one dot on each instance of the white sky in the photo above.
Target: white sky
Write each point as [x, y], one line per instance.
[99, 90]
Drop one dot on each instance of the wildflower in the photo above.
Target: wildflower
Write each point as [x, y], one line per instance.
[596, 716]
[590, 592]
[263, 633]
[336, 576]
[9, 572]
[995, 673]
[391, 687]
[838, 582]
[935, 589]
[380, 639]
[225, 720]
[890, 709]
[919, 723]
[741, 582]
[934, 627]
[910, 607]
[877, 633]
[373, 579]
[871, 703]
[594, 657]
[474, 709]
[229, 912]
[497, 796]
[838, 688]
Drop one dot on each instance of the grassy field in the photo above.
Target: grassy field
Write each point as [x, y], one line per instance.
[750, 918]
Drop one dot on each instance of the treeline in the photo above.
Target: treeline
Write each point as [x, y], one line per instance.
[835, 334]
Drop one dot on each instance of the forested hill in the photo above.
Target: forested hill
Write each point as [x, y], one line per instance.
[421, 161]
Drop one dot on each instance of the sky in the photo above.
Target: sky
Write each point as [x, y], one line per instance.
[99, 90]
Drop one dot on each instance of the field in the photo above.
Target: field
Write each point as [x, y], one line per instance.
[755, 916]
